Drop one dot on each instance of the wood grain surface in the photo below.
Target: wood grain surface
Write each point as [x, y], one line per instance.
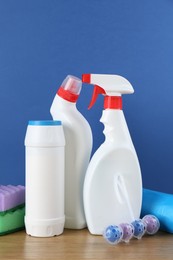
[74, 245]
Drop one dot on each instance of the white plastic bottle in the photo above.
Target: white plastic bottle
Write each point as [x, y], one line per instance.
[113, 185]
[44, 163]
[78, 137]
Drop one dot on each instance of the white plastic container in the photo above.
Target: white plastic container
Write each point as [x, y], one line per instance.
[44, 159]
[113, 185]
[78, 138]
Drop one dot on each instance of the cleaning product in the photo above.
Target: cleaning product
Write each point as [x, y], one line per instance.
[159, 204]
[78, 138]
[11, 196]
[114, 234]
[113, 184]
[12, 208]
[44, 166]
[152, 224]
[12, 220]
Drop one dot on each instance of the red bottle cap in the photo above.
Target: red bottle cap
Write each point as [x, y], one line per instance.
[70, 89]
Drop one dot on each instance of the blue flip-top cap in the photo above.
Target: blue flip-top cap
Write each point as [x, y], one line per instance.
[44, 122]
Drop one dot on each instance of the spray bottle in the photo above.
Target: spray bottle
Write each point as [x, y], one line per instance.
[78, 147]
[113, 185]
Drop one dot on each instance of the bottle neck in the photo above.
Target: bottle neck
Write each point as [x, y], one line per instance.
[62, 103]
[67, 95]
[115, 127]
[113, 102]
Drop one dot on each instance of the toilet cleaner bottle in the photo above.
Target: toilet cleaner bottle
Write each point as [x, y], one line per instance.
[113, 184]
[78, 147]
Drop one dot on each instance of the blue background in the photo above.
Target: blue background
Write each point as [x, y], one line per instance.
[43, 41]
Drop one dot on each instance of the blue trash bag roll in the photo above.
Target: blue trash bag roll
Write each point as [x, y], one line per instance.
[160, 205]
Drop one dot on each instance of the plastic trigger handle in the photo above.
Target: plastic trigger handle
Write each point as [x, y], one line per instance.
[97, 90]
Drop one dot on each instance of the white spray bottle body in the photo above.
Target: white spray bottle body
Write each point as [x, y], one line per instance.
[78, 147]
[113, 183]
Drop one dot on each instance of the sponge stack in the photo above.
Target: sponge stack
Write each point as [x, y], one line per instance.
[12, 208]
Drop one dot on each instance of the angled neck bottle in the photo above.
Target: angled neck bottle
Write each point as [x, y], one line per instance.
[78, 147]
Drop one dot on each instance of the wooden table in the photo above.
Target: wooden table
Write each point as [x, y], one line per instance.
[81, 245]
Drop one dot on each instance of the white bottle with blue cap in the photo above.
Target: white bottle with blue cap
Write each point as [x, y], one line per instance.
[44, 169]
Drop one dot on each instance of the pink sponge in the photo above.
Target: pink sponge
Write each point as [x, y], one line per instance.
[11, 196]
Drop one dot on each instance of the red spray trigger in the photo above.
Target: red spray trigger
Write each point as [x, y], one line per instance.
[86, 78]
[97, 90]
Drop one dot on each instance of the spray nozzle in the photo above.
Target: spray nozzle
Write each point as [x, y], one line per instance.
[109, 85]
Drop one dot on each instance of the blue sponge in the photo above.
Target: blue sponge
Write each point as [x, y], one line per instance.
[160, 205]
